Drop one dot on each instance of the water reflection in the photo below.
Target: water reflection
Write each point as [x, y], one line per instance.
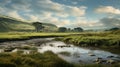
[78, 54]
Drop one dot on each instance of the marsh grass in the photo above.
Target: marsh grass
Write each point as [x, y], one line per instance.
[110, 40]
[47, 59]
[15, 36]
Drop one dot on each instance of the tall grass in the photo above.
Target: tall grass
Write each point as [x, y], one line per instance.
[47, 59]
[95, 39]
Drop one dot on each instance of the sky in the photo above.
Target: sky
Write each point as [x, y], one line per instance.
[88, 14]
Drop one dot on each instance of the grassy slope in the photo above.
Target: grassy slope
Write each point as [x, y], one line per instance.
[49, 27]
[12, 24]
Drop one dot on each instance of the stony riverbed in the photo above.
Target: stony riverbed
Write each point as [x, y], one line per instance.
[68, 52]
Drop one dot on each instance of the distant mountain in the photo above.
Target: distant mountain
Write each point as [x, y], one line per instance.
[12, 24]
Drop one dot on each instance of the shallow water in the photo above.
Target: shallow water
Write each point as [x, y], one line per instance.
[77, 54]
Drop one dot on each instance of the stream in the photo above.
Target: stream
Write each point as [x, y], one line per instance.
[75, 54]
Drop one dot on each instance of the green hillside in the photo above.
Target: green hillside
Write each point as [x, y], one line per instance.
[12, 24]
[49, 27]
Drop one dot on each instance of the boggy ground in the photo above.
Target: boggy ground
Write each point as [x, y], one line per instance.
[107, 41]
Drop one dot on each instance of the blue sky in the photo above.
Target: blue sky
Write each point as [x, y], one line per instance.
[88, 14]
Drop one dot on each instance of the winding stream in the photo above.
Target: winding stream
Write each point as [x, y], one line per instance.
[77, 54]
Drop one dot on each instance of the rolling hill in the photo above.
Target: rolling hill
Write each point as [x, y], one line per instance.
[11, 24]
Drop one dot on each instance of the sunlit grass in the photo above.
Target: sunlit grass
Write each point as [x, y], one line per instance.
[101, 39]
[22, 35]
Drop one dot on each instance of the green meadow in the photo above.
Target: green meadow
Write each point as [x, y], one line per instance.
[24, 35]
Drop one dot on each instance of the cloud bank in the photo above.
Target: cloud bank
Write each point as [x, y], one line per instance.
[57, 13]
[108, 9]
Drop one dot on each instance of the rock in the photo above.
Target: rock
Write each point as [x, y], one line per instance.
[61, 46]
[68, 46]
[110, 61]
[110, 56]
[7, 50]
[80, 60]
[98, 62]
[104, 60]
[98, 59]
[91, 54]
[51, 45]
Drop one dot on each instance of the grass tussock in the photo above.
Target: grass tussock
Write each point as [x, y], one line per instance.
[47, 59]
[109, 40]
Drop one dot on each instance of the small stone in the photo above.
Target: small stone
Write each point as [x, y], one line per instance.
[80, 60]
[98, 62]
[51, 45]
[98, 59]
[104, 60]
[110, 56]
[91, 54]
[110, 61]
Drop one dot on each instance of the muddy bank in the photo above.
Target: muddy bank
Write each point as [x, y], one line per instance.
[25, 38]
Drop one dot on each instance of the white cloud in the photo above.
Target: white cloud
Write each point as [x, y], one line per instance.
[33, 17]
[45, 11]
[1, 10]
[43, 6]
[59, 9]
[76, 11]
[47, 14]
[108, 9]
[83, 22]
[14, 14]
